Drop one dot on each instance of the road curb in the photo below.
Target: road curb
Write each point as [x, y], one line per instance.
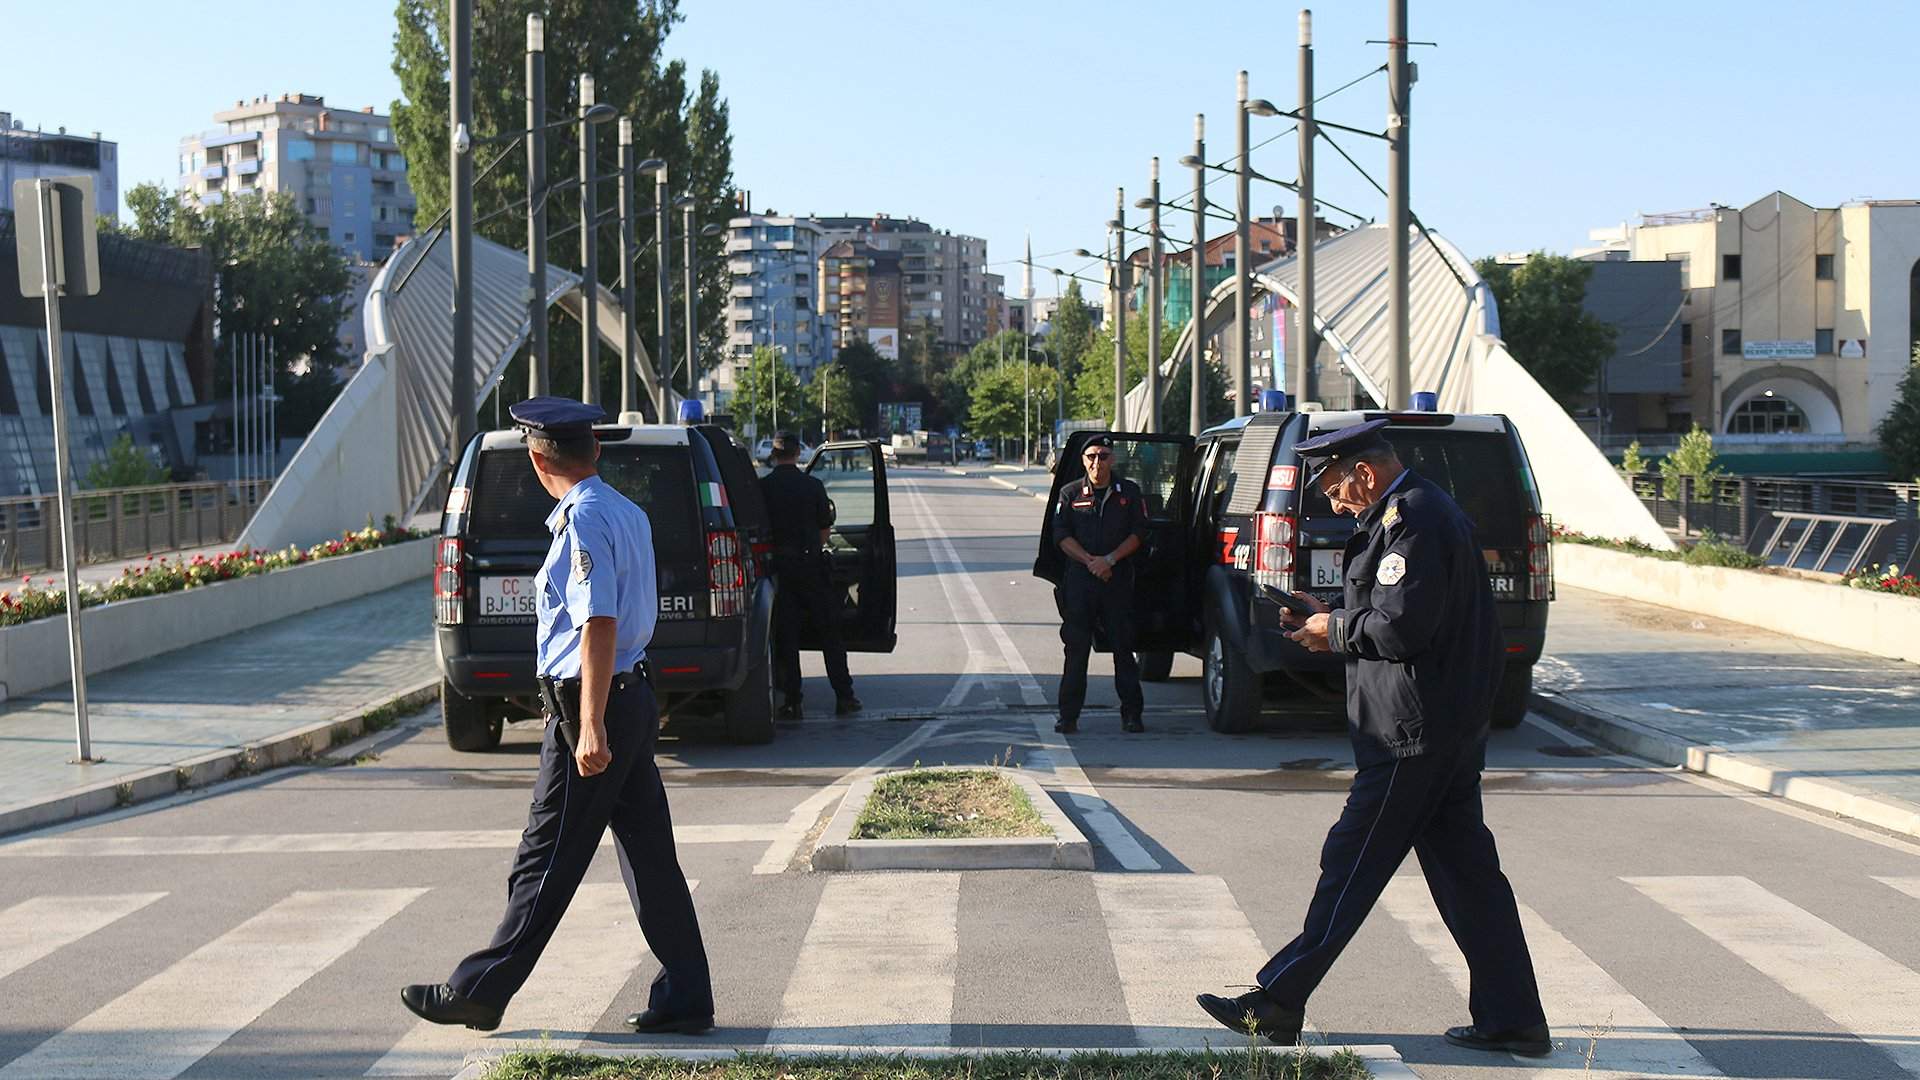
[1066, 849]
[1011, 486]
[1645, 741]
[289, 747]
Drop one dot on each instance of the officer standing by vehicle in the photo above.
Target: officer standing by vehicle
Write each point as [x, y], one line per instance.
[1100, 522]
[802, 518]
[597, 600]
[1423, 649]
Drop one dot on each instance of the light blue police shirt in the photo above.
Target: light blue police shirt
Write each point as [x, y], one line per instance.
[600, 564]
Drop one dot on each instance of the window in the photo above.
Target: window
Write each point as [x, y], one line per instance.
[346, 153]
[1823, 342]
[299, 150]
[382, 135]
[309, 204]
[1730, 343]
[347, 238]
[1686, 334]
[1767, 415]
[1730, 267]
[1823, 267]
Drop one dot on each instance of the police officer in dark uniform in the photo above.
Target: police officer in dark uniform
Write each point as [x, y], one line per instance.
[804, 606]
[1101, 521]
[1417, 628]
[597, 601]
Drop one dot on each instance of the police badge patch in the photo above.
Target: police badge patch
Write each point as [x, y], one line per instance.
[582, 564]
[1392, 569]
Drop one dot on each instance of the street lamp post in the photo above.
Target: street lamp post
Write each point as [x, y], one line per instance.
[1242, 274]
[536, 207]
[629, 333]
[1119, 224]
[460, 379]
[1305, 231]
[662, 295]
[692, 300]
[1153, 299]
[1196, 373]
[589, 254]
[1399, 105]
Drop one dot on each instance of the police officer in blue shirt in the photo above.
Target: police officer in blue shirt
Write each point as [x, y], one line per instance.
[1417, 628]
[1100, 524]
[597, 602]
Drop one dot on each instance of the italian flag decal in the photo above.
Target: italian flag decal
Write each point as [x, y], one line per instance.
[713, 495]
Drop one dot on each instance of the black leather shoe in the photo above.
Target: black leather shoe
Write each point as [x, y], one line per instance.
[654, 1022]
[1131, 724]
[788, 713]
[442, 1004]
[1269, 1019]
[1066, 727]
[847, 706]
[1535, 1041]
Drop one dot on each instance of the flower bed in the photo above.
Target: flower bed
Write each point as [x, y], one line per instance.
[1888, 580]
[159, 575]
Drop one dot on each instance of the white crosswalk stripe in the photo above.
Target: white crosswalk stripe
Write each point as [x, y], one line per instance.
[336, 842]
[1859, 987]
[897, 936]
[157, 1030]
[1908, 885]
[584, 967]
[35, 928]
[1580, 998]
[1174, 935]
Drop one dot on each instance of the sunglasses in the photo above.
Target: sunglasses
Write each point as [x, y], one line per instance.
[1101, 456]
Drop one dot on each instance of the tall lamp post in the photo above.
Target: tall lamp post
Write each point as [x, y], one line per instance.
[1196, 379]
[1306, 231]
[1153, 299]
[589, 253]
[536, 207]
[1242, 274]
[460, 208]
[1120, 283]
[1399, 106]
[663, 294]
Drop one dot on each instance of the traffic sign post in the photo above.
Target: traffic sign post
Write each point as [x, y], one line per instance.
[59, 251]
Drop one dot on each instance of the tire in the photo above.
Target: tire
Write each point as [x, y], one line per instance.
[470, 724]
[748, 711]
[1155, 666]
[1510, 701]
[1229, 689]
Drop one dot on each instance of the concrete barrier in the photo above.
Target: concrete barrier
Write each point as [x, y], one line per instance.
[1878, 623]
[33, 655]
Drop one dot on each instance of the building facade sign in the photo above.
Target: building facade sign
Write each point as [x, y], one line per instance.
[1853, 349]
[1777, 350]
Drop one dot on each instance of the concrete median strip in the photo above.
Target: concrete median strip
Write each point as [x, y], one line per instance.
[1066, 849]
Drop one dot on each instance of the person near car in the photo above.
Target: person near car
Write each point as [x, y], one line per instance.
[1417, 629]
[596, 603]
[804, 607]
[1100, 524]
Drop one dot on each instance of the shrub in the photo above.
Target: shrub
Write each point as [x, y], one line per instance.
[1887, 580]
[1631, 462]
[1712, 550]
[1693, 458]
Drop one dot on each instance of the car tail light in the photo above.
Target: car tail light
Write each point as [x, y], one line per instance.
[726, 575]
[449, 583]
[1539, 558]
[1275, 544]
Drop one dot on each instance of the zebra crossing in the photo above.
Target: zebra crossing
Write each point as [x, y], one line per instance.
[883, 955]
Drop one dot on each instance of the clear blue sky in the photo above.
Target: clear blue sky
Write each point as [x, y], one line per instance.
[1533, 121]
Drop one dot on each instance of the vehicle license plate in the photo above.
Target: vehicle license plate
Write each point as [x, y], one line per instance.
[1325, 567]
[506, 597]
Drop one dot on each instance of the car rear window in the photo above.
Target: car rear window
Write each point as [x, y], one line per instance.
[1478, 468]
[509, 503]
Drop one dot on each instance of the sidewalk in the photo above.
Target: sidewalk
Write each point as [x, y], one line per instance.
[270, 695]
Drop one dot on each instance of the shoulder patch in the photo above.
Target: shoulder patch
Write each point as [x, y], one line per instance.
[582, 563]
[1392, 569]
[1392, 515]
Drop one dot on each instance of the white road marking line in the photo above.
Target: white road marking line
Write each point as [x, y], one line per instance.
[1173, 936]
[788, 838]
[35, 928]
[877, 965]
[592, 955]
[965, 598]
[1578, 994]
[1908, 885]
[333, 843]
[1805, 954]
[157, 1030]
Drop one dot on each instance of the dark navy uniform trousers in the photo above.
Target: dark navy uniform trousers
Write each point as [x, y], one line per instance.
[570, 814]
[1084, 601]
[1428, 804]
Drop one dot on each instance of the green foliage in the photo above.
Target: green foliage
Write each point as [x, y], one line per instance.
[1900, 431]
[1544, 325]
[868, 375]
[835, 385]
[767, 382]
[1070, 331]
[1712, 550]
[1631, 462]
[947, 804]
[1006, 400]
[126, 465]
[991, 355]
[1886, 579]
[1091, 394]
[1693, 458]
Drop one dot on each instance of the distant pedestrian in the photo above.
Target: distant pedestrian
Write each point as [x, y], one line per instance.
[805, 607]
[1423, 649]
[596, 604]
[1100, 524]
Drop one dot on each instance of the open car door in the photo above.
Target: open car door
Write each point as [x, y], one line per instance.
[860, 553]
[1159, 464]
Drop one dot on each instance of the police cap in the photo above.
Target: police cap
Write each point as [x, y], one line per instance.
[786, 442]
[1099, 440]
[555, 418]
[1324, 451]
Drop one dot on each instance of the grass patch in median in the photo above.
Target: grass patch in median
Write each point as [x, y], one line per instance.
[1250, 1064]
[947, 804]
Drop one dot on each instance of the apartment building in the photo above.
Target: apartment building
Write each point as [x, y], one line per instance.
[28, 154]
[773, 260]
[860, 296]
[943, 274]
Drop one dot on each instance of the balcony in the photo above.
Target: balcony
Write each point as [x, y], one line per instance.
[249, 167]
[743, 290]
[213, 172]
[740, 267]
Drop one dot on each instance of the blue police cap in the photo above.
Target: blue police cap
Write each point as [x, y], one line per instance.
[1322, 451]
[556, 417]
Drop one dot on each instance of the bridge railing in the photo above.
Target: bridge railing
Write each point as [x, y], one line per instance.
[120, 523]
[1734, 506]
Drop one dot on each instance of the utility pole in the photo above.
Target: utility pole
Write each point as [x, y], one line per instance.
[1120, 309]
[629, 332]
[662, 295]
[589, 254]
[536, 206]
[1026, 354]
[1153, 298]
[1197, 376]
[460, 396]
[1305, 229]
[1399, 106]
[693, 301]
[1242, 276]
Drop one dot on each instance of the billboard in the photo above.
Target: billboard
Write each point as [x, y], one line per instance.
[899, 417]
[885, 342]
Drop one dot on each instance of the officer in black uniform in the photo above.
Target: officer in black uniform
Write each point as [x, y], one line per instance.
[597, 601]
[804, 606]
[1423, 649]
[1100, 522]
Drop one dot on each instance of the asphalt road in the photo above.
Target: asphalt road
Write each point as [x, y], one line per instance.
[263, 928]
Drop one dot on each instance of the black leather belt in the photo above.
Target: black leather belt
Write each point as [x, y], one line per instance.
[561, 697]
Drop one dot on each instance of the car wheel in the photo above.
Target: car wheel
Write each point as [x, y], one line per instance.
[749, 709]
[1510, 701]
[470, 724]
[1155, 666]
[1229, 690]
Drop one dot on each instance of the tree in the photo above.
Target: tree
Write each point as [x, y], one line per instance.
[126, 465]
[1006, 399]
[756, 397]
[1631, 463]
[1545, 327]
[847, 406]
[869, 376]
[1900, 431]
[992, 354]
[620, 43]
[1070, 330]
[1693, 459]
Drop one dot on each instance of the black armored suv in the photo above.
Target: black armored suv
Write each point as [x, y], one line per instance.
[711, 652]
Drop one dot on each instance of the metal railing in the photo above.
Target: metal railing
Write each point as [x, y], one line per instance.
[1734, 506]
[120, 523]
